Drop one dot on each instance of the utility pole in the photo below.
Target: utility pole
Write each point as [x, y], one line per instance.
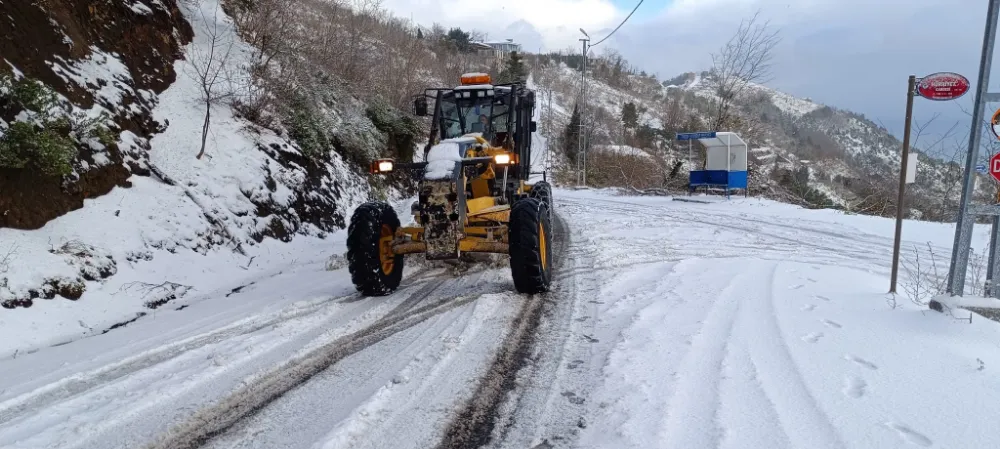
[910, 87]
[582, 152]
[548, 151]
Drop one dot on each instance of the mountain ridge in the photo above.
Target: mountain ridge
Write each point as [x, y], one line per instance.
[802, 151]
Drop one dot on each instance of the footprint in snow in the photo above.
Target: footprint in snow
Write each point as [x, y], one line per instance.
[910, 435]
[573, 398]
[832, 324]
[854, 387]
[808, 308]
[796, 287]
[824, 298]
[810, 279]
[812, 337]
[861, 361]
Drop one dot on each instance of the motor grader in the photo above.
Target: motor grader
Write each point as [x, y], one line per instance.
[473, 195]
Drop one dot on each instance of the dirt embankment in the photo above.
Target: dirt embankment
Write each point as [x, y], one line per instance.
[41, 38]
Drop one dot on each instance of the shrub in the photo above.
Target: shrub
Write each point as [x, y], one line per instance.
[403, 131]
[45, 135]
[308, 130]
[42, 148]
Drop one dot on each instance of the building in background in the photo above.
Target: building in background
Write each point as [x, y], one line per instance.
[498, 51]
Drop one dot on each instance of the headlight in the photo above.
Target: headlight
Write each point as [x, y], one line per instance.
[382, 166]
[502, 159]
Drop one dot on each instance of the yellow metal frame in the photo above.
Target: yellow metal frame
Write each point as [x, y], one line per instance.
[486, 223]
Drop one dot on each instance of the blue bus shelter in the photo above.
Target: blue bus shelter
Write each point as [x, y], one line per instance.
[725, 161]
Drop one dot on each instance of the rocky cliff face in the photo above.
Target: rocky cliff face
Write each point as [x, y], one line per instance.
[112, 56]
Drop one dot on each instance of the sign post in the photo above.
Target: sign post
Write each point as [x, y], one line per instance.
[941, 86]
[902, 182]
[968, 213]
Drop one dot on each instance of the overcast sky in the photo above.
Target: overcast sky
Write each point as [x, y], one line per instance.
[851, 54]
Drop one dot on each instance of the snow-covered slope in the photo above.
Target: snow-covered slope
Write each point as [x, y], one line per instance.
[181, 226]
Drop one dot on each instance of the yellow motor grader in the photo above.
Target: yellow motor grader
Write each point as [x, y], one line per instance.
[473, 195]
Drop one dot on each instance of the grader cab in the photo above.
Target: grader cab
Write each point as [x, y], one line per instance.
[473, 195]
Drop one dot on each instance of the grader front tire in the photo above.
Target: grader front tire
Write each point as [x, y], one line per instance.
[543, 191]
[375, 270]
[530, 246]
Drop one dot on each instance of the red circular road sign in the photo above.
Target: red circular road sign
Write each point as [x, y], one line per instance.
[995, 166]
[942, 86]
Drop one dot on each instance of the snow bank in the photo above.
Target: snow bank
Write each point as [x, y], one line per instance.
[441, 160]
[624, 150]
[968, 301]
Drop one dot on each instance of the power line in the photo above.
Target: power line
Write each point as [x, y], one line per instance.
[619, 25]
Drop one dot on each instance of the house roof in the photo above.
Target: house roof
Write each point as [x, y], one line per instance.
[724, 139]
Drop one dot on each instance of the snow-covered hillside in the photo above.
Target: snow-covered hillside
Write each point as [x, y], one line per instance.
[801, 151]
[178, 226]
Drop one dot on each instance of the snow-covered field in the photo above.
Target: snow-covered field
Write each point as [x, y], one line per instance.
[742, 323]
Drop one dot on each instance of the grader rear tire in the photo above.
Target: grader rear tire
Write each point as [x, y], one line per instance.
[530, 246]
[375, 270]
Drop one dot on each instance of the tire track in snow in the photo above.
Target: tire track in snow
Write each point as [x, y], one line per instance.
[388, 395]
[82, 383]
[784, 249]
[258, 393]
[474, 425]
[852, 246]
[693, 411]
[802, 419]
[553, 399]
[852, 251]
[751, 418]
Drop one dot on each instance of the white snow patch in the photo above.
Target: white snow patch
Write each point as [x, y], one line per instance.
[441, 160]
[102, 73]
[141, 8]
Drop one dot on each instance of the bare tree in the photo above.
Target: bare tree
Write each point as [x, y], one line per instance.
[6, 256]
[924, 280]
[208, 64]
[268, 26]
[744, 59]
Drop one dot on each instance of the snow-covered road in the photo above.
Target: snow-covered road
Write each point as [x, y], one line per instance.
[753, 324]
[672, 325]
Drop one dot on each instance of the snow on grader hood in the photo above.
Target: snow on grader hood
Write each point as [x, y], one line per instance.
[472, 195]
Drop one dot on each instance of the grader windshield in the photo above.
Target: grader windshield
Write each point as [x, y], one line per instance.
[465, 111]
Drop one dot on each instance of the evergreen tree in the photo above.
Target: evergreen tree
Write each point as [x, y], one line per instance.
[630, 116]
[571, 136]
[420, 33]
[461, 40]
[514, 70]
